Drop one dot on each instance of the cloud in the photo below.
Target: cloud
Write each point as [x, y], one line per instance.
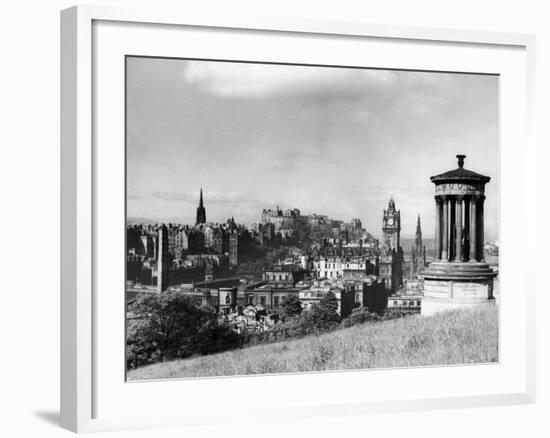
[263, 80]
[363, 115]
[421, 104]
[328, 140]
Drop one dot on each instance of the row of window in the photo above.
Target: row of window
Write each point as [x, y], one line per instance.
[263, 300]
[280, 277]
[407, 303]
[328, 266]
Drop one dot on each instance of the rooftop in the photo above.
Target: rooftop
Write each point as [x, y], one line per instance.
[281, 268]
[460, 174]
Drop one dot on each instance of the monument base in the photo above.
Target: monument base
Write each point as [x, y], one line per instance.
[453, 285]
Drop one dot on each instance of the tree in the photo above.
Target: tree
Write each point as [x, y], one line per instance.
[252, 269]
[322, 316]
[328, 308]
[207, 308]
[276, 255]
[213, 337]
[165, 325]
[303, 236]
[292, 306]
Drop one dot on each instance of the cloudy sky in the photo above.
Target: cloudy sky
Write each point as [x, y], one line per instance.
[334, 141]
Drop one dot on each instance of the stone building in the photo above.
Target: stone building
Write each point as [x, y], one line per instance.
[195, 241]
[280, 219]
[279, 282]
[270, 297]
[391, 253]
[177, 240]
[283, 275]
[218, 241]
[405, 303]
[209, 232]
[329, 267]
[344, 293]
[141, 240]
[199, 296]
[374, 294]
[360, 272]
[148, 244]
[227, 299]
[459, 276]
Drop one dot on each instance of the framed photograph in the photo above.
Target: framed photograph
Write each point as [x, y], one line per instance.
[315, 216]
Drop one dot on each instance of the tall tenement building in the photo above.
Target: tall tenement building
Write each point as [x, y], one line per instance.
[201, 212]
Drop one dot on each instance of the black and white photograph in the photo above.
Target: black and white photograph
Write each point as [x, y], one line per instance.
[287, 218]
[279, 219]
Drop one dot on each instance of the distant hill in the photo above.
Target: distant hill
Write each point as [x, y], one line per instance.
[458, 337]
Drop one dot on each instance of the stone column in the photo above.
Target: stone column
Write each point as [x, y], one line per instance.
[452, 228]
[481, 230]
[438, 228]
[445, 245]
[458, 224]
[466, 247]
[473, 230]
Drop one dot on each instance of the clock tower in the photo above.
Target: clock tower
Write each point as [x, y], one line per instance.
[391, 226]
[391, 253]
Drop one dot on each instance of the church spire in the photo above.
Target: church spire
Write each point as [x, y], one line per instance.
[418, 250]
[201, 211]
[418, 239]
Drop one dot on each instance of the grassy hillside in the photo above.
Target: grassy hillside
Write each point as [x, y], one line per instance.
[458, 337]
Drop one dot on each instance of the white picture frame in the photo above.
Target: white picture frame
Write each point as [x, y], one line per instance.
[81, 366]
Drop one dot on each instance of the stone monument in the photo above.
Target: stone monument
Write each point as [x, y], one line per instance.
[458, 277]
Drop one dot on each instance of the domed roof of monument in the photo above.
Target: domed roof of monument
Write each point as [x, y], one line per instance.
[460, 174]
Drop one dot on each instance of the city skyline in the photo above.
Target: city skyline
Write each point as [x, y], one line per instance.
[332, 141]
[189, 220]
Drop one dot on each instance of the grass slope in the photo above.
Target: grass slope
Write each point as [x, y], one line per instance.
[457, 337]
